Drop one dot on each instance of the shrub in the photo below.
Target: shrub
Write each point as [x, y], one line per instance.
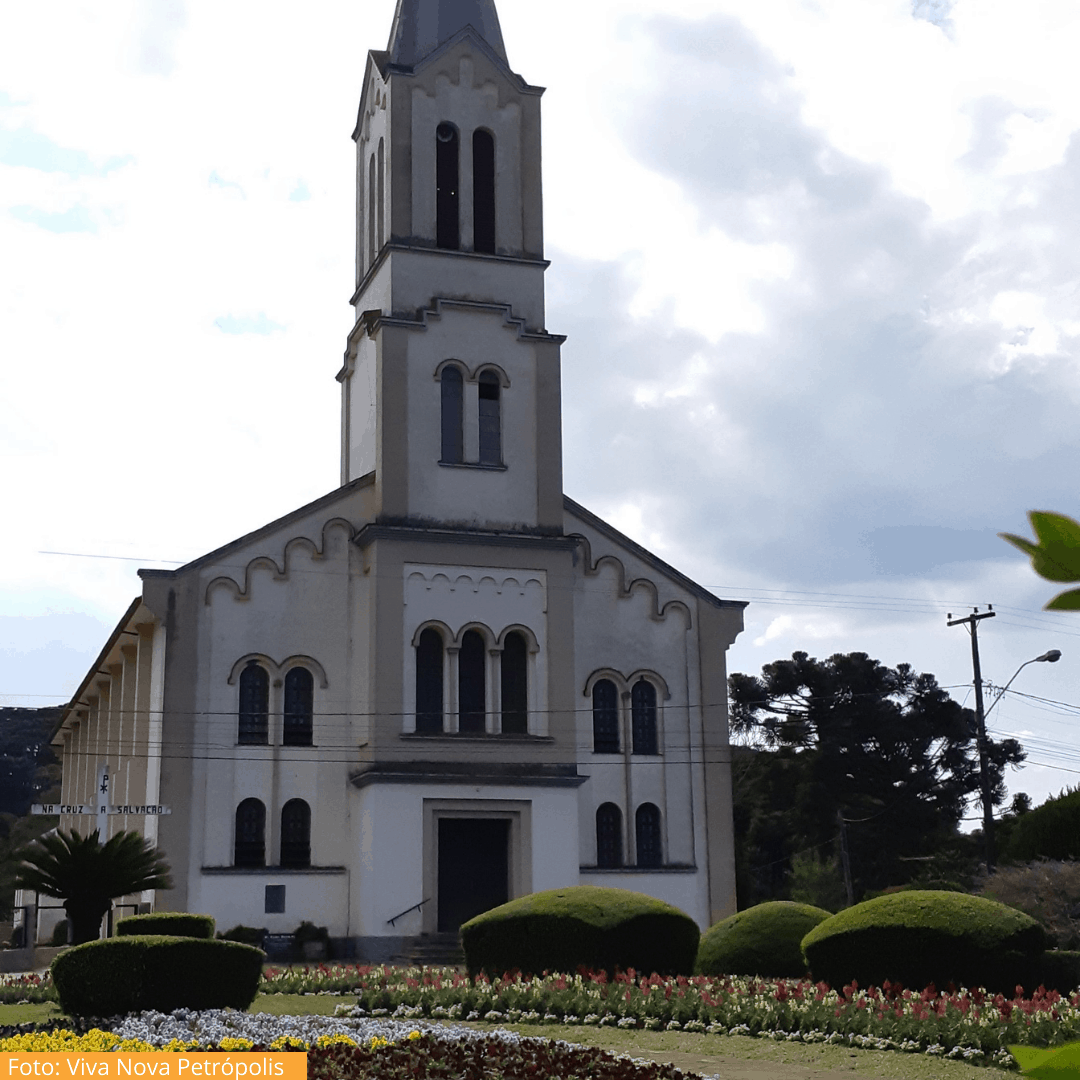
[922, 937]
[167, 923]
[1046, 890]
[246, 935]
[763, 940]
[60, 933]
[1050, 831]
[129, 974]
[308, 931]
[581, 925]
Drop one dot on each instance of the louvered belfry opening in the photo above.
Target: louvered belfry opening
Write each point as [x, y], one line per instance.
[447, 209]
[483, 147]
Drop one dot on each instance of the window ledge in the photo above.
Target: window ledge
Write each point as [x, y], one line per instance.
[673, 868]
[472, 465]
[476, 736]
[274, 871]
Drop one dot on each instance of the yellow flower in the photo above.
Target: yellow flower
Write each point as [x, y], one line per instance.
[236, 1044]
[414, 1034]
[324, 1041]
[288, 1042]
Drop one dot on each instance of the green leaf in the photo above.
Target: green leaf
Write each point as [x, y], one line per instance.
[1060, 1063]
[1057, 555]
[1066, 601]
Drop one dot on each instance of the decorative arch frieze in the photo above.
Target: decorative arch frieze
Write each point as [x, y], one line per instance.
[279, 572]
[274, 668]
[626, 589]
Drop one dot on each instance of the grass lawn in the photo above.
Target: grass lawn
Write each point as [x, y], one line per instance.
[732, 1057]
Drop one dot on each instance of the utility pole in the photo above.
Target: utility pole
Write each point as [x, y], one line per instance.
[845, 859]
[972, 623]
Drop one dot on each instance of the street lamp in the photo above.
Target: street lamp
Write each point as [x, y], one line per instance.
[1051, 656]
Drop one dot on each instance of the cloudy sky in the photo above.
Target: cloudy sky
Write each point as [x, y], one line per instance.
[818, 263]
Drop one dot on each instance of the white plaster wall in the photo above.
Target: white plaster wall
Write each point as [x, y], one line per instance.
[240, 899]
[373, 127]
[473, 495]
[362, 420]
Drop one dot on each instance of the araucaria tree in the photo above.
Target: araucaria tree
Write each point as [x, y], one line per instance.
[886, 749]
[88, 875]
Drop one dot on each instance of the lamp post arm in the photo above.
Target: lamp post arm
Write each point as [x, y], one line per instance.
[1001, 692]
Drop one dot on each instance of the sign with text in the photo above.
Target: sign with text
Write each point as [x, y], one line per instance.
[150, 809]
[291, 1065]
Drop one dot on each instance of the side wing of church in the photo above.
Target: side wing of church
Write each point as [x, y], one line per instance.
[444, 684]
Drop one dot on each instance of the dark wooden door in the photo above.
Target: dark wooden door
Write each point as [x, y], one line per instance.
[473, 868]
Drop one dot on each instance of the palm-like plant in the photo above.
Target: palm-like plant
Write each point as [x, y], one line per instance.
[87, 875]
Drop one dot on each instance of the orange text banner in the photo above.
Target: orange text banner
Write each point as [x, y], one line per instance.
[180, 1066]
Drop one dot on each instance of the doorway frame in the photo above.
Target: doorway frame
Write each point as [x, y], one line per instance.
[518, 812]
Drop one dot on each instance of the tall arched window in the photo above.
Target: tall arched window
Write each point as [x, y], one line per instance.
[447, 224]
[605, 717]
[249, 845]
[429, 681]
[296, 833]
[379, 193]
[643, 710]
[453, 446]
[254, 715]
[515, 684]
[371, 211]
[471, 677]
[647, 834]
[483, 157]
[299, 706]
[490, 421]
[609, 836]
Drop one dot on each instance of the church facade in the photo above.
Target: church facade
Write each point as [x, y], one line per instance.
[444, 684]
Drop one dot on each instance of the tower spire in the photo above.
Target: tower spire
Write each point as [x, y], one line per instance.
[421, 26]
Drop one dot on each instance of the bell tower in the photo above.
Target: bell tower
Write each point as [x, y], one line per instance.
[451, 385]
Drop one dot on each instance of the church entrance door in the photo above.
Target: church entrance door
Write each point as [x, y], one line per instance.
[473, 868]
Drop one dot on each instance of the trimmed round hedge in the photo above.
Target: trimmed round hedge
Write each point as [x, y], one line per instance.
[129, 974]
[922, 937]
[168, 923]
[762, 940]
[581, 926]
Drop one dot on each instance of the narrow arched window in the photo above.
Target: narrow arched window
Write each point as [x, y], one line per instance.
[483, 157]
[605, 717]
[254, 715]
[643, 711]
[609, 836]
[471, 677]
[296, 833]
[447, 224]
[647, 834]
[490, 420]
[379, 192]
[453, 447]
[249, 846]
[429, 681]
[299, 706]
[515, 685]
[371, 211]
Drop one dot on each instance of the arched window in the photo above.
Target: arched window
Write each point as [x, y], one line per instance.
[429, 681]
[647, 833]
[471, 678]
[490, 421]
[254, 705]
[447, 225]
[643, 711]
[371, 211]
[379, 193]
[296, 833]
[605, 717]
[483, 158]
[299, 698]
[515, 685]
[453, 447]
[249, 846]
[608, 836]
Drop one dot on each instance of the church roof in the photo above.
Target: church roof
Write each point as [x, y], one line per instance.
[421, 26]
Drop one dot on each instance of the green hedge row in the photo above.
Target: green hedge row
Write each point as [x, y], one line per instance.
[129, 974]
[582, 925]
[763, 940]
[169, 923]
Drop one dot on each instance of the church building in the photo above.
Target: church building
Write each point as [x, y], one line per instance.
[444, 684]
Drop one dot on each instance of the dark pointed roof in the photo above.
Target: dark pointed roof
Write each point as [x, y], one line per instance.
[421, 26]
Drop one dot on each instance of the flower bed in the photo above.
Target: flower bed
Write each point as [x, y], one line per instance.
[394, 1052]
[29, 988]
